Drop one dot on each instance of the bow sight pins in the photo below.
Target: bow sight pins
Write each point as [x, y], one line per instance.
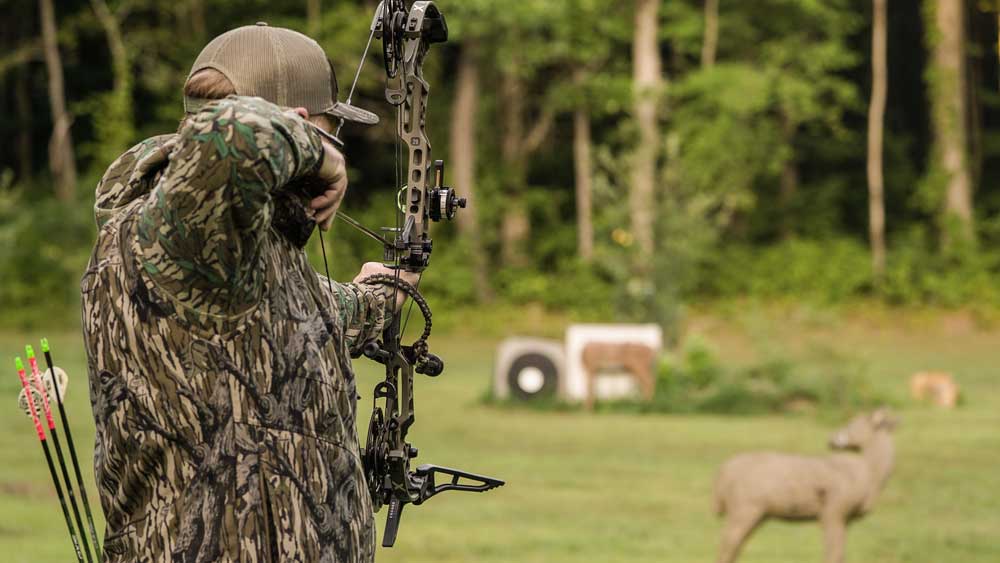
[36, 397]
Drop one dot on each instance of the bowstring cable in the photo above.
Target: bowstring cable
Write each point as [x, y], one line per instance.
[399, 158]
[409, 309]
[397, 165]
[350, 96]
[326, 265]
[357, 73]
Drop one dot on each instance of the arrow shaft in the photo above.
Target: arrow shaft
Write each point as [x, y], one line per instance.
[72, 450]
[36, 378]
[48, 459]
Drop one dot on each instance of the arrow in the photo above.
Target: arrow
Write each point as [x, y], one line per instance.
[48, 458]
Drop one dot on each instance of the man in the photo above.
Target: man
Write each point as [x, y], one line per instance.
[219, 361]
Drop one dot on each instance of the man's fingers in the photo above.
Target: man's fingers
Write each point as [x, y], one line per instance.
[324, 200]
[334, 168]
[325, 217]
[332, 196]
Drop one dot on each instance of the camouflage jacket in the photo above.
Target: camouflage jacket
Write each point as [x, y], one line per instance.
[219, 361]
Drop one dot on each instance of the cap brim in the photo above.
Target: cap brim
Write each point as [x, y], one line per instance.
[352, 113]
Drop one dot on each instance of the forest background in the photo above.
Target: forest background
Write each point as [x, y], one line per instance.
[804, 193]
[647, 157]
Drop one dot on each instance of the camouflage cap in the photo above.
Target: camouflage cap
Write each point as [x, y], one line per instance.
[280, 65]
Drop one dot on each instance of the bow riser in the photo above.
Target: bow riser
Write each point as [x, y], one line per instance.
[406, 37]
[415, 235]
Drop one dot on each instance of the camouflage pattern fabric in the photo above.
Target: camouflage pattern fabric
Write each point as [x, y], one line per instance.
[219, 361]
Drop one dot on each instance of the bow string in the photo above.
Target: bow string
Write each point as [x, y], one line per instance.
[406, 33]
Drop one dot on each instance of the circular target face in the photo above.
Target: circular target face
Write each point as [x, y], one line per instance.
[531, 376]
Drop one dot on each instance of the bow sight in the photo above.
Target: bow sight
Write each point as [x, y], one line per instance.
[406, 35]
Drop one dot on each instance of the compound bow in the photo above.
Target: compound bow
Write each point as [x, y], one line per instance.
[406, 35]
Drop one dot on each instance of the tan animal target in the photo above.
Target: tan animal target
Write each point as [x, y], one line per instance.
[935, 387]
[633, 358]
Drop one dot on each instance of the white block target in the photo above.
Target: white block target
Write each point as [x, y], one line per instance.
[528, 368]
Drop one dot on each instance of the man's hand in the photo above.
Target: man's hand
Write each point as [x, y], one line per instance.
[372, 268]
[334, 174]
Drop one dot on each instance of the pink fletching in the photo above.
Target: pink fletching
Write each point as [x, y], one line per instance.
[37, 377]
[31, 405]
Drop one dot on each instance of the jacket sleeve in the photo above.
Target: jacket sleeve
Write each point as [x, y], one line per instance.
[201, 229]
[363, 311]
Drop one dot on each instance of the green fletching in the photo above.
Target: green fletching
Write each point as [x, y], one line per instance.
[45, 345]
[18, 363]
[29, 351]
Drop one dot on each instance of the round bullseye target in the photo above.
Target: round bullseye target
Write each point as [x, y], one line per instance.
[532, 376]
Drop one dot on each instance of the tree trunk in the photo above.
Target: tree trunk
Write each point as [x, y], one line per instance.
[789, 183]
[876, 120]
[198, 26]
[946, 35]
[711, 40]
[974, 69]
[22, 101]
[464, 111]
[61, 160]
[313, 16]
[583, 171]
[115, 129]
[646, 72]
[517, 144]
[515, 226]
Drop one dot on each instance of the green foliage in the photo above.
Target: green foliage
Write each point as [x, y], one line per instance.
[570, 286]
[918, 273]
[788, 88]
[695, 381]
[839, 269]
[114, 133]
[44, 246]
[826, 271]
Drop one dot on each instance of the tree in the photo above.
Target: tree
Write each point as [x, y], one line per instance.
[876, 119]
[22, 101]
[779, 80]
[526, 116]
[583, 171]
[464, 112]
[646, 80]
[62, 162]
[314, 17]
[113, 122]
[946, 77]
[711, 40]
[594, 83]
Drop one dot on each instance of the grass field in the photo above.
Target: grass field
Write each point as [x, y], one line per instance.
[620, 487]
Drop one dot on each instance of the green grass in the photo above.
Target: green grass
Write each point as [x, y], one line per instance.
[632, 488]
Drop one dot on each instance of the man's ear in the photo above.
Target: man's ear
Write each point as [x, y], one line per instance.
[303, 112]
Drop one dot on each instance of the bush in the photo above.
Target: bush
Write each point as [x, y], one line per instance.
[839, 269]
[695, 382]
[44, 248]
[917, 273]
[826, 271]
